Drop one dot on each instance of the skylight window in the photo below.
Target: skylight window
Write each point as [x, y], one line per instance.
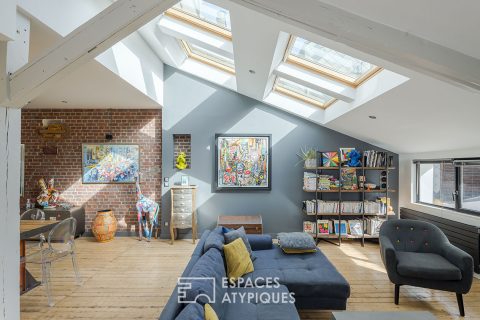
[301, 92]
[329, 62]
[209, 57]
[204, 15]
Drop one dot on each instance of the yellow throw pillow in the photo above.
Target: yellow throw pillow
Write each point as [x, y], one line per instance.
[238, 259]
[210, 313]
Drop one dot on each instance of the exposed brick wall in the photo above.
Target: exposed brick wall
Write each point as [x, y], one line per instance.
[182, 143]
[142, 127]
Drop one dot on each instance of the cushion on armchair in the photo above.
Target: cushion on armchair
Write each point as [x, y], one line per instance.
[426, 266]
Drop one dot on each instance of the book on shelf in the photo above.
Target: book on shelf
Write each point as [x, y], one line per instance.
[356, 227]
[372, 226]
[329, 207]
[324, 226]
[309, 181]
[376, 159]
[309, 207]
[342, 226]
[348, 178]
[309, 227]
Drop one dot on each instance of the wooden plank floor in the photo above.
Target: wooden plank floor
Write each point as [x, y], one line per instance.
[128, 279]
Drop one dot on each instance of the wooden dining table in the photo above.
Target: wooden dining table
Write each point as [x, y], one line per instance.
[29, 229]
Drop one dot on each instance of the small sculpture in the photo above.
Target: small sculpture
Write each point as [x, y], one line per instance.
[145, 205]
[49, 195]
[181, 161]
[354, 159]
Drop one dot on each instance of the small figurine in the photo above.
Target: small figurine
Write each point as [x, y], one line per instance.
[354, 159]
[49, 195]
[181, 161]
[145, 205]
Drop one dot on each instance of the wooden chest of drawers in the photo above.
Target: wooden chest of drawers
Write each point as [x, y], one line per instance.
[252, 224]
[183, 210]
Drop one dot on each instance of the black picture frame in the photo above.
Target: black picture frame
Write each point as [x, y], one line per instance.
[220, 188]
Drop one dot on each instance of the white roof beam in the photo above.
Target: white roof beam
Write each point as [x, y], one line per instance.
[7, 20]
[164, 46]
[87, 41]
[255, 39]
[316, 82]
[385, 42]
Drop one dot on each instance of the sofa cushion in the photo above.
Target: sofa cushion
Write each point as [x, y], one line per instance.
[214, 240]
[239, 233]
[193, 311]
[210, 313]
[267, 304]
[238, 260]
[426, 266]
[296, 241]
[306, 275]
[205, 279]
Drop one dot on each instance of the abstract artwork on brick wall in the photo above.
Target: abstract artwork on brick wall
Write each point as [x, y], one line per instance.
[243, 162]
[110, 163]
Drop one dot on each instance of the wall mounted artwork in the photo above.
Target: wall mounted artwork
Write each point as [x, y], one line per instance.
[110, 163]
[243, 162]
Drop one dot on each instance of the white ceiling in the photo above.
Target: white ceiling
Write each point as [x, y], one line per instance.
[94, 87]
[420, 115]
[91, 86]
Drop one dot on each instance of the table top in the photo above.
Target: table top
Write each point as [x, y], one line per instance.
[359, 315]
[239, 220]
[31, 228]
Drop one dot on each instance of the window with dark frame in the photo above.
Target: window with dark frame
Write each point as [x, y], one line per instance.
[452, 184]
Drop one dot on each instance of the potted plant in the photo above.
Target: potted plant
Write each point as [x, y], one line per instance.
[309, 157]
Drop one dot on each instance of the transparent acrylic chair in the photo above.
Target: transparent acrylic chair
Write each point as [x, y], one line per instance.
[60, 244]
[33, 214]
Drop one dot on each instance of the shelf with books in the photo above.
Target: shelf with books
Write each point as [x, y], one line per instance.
[333, 180]
[352, 191]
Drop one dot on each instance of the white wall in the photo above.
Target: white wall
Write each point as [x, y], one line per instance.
[407, 184]
[9, 214]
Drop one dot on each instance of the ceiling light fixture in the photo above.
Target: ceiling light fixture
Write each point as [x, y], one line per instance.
[372, 117]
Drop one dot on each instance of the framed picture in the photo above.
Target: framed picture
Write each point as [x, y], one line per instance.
[243, 162]
[330, 159]
[110, 163]
[344, 154]
[184, 181]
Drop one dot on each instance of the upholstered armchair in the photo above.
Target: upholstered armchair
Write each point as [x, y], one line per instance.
[418, 253]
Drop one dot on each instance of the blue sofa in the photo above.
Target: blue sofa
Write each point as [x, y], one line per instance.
[313, 280]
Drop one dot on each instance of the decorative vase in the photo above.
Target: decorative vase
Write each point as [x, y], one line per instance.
[104, 226]
[310, 163]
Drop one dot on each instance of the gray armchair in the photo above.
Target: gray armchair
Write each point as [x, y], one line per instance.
[418, 253]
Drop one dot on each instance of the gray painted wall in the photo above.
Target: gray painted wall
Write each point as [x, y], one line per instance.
[202, 109]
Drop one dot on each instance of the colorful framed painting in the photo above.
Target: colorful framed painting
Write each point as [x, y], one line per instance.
[243, 162]
[330, 159]
[110, 163]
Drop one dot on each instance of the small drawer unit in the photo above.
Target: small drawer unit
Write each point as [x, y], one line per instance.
[183, 215]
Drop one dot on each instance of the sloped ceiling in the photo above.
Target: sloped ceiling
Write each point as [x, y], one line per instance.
[423, 114]
[91, 86]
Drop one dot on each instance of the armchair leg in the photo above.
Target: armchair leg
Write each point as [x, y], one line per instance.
[460, 304]
[397, 293]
